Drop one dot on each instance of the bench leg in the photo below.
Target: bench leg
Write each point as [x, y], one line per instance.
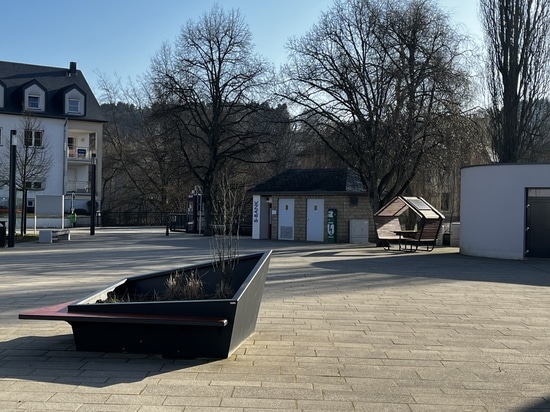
[410, 243]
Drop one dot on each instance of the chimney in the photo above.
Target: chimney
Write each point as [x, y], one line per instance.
[72, 69]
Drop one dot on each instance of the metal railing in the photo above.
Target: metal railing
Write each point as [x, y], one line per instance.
[134, 218]
[78, 186]
[79, 153]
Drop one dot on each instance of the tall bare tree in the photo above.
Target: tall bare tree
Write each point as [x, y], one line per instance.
[206, 88]
[517, 37]
[373, 80]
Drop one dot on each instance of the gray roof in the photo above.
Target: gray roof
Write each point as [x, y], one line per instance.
[342, 180]
[55, 80]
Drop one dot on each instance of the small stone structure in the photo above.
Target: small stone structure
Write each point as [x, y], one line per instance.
[307, 204]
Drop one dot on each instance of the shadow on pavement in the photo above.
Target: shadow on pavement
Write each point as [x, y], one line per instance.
[543, 405]
[440, 266]
[54, 359]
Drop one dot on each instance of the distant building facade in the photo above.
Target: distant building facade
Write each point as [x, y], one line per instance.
[68, 124]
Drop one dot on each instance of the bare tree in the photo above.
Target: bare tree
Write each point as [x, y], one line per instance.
[517, 37]
[373, 79]
[206, 88]
[227, 207]
[466, 144]
[142, 167]
[33, 161]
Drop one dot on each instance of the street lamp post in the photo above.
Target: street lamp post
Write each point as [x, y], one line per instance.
[12, 189]
[92, 200]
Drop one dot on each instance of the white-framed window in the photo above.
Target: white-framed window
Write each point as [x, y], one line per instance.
[33, 102]
[34, 138]
[74, 105]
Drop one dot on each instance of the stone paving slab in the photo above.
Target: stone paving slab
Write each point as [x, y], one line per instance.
[341, 328]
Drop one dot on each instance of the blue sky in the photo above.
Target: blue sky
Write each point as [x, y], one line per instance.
[119, 37]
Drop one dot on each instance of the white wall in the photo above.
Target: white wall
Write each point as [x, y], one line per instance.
[54, 135]
[53, 138]
[492, 208]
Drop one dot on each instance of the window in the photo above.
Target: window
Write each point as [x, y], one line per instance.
[71, 146]
[38, 139]
[33, 185]
[74, 106]
[0, 136]
[33, 102]
[33, 138]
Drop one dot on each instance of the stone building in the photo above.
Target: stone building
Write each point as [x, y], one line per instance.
[319, 205]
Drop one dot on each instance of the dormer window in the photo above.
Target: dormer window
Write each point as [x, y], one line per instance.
[74, 106]
[35, 97]
[74, 101]
[33, 102]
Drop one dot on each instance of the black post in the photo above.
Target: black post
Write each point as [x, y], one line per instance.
[92, 206]
[12, 190]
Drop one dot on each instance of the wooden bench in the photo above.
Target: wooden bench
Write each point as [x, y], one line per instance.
[52, 235]
[61, 312]
[386, 226]
[426, 236]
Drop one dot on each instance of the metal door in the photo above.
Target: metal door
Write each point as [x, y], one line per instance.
[286, 219]
[537, 232]
[315, 220]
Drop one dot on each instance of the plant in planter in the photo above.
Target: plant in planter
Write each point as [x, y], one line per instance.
[184, 286]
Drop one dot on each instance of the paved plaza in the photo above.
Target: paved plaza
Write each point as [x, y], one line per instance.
[341, 328]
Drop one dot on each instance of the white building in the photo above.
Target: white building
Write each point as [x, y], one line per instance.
[505, 211]
[70, 128]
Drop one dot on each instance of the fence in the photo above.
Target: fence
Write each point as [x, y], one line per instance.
[134, 218]
[156, 219]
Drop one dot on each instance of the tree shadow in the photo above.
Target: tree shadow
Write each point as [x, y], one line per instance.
[438, 266]
[54, 359]
[325, 271]
[542, 405]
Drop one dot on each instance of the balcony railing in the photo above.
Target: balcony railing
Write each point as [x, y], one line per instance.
[78, 186]
[79, 153]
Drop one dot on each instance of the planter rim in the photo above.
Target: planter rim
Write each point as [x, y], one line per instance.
[91, 299]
